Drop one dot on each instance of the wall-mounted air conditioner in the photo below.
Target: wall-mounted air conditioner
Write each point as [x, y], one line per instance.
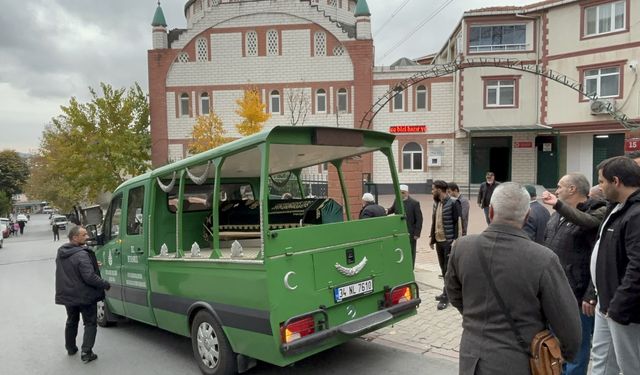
[599, 106]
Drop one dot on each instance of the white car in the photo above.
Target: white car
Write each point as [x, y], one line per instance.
[22, 217]
[60, 221]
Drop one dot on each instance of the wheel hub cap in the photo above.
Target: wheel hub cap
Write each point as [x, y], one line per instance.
[208, 345]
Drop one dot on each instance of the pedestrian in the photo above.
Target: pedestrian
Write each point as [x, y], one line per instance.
[635, 155]
[79, 287]
[454, 192]
[571, 233]
[615, 270]
[532, 285]
[16, 228]
[596, 193]
[413, 218]
[446, 227]
[21, 225]
[484, 195]
[538, 217]
[370, 208]
[56, 232]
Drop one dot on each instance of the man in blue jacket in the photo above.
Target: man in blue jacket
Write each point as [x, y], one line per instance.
[615, 271]
[79, 287]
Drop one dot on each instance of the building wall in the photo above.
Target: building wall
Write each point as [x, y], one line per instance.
[580, 155]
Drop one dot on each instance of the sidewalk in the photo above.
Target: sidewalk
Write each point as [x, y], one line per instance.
[430, 332]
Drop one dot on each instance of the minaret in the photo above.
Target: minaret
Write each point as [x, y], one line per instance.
[160, 39]
[363, 20]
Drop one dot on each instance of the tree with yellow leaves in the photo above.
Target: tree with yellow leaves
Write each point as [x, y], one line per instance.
[207, 133]
[252, 111]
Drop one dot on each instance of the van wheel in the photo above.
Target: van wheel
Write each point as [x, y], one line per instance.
[105, 317]
[211, 348]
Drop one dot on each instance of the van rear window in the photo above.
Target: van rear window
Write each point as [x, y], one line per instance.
[199, 197]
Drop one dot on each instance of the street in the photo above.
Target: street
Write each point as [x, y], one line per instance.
[32, 338]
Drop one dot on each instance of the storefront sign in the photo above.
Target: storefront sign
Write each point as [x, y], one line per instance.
[408, 129]
[523, 144]
[631, 144]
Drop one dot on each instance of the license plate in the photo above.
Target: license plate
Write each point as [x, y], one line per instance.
[352, 290]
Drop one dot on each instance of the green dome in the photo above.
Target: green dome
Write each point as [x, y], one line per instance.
[158, 17]
[362, 9]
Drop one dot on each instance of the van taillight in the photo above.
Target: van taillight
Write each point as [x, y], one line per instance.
[399, 295]
[298, 329]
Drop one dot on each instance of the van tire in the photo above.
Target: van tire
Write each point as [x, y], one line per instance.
[211, 349]
[105, 317]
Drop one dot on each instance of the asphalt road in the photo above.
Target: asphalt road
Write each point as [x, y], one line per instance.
[32, 330]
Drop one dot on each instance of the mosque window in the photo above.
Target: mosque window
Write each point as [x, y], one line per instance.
[421, 97]
[183, 57]
[272, 43]
[275, 101]
[252, 43]
[338, 50]
[398, 100]
[201, 49]
[204, 103]
[342, 100]
[321, 101]
[412, 157]
[320, 43]
[184, 104]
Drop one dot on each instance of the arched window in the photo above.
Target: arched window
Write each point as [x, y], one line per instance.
[342, 100]
[204, 103]
[321, 101]
[184, 104]
[320, 43]
[273, 47]
[183, 57]
[412, 157]
[398, 100]
[201, 50]
[275, 101]
[338, 50]
[421, 97]
[251, 43]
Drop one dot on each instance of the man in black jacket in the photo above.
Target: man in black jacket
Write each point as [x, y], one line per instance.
[79, 287]
[538, 217]
[413, 216]
[484, 195]
[370, 208]
[571, 233]
[615, 270]
[446, 227]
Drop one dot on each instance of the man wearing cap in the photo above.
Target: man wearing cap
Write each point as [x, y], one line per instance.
[538, 217]
[413, 216]
[370, 208]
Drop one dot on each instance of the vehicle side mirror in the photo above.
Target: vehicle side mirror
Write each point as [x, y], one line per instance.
[95, 239]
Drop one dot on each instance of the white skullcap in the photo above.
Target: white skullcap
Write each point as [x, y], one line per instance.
[368, 197]
[404, 188]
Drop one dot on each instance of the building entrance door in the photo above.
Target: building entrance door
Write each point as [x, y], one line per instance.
[547, 148]
[490, 154]
[606, 146]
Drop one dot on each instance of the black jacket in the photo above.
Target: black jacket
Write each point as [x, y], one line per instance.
[536, 223]
[371, 210]
[571, 233]
[485, 193]
[618, 263]
[414, 215]
[78, 280]
[451, 217]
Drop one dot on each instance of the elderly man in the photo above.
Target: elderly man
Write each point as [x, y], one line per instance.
[370, 208]
[538, 217]
[531, 283]
[413, 217]
[615, 270]
[571, 234]
[485, 192]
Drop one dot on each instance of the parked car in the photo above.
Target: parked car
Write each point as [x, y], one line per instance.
[60, 221]
[6, 230]
[3, 227]
[22, 217]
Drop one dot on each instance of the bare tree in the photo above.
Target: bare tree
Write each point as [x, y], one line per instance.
[299, 104]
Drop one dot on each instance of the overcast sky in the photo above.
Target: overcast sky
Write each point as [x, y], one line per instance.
[52, 50]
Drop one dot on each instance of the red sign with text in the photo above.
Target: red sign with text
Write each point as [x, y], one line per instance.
[408, 129]
[523, 144]
[631, 144]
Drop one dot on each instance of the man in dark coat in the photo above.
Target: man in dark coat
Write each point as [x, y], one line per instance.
[446, 227]
[571, 233]
[530, 280]
[370, 208]
[538, 217]
[615, 271]
[485, 192]
[413, 215]
[454, 192]
[79, 287]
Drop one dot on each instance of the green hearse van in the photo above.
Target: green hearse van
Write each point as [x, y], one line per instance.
[235, 249]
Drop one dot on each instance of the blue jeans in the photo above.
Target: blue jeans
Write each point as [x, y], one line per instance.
[581, 363]
[486, 215]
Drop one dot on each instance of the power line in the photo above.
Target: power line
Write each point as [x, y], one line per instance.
[391, 17]
[418, 27]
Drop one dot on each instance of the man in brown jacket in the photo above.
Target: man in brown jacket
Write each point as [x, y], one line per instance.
[529, 279]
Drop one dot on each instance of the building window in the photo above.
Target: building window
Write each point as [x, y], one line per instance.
[275, 101]
[183, 57]
[497, 38]
[603, 82]
[321, 101]
[342, 100]
[252, 43]
[320, 43]
[421, 97]
[398, 100]
[412, 157]
[604, 18]
[500, 93]
[272, 43]
[204, 103]
[201, 50]
[184, 104]
[338, 50]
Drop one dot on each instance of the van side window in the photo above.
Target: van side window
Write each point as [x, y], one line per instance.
[135, 210]
[112, 222]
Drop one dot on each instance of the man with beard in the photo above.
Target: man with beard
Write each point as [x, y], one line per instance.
[413, 217]
[446, 227]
